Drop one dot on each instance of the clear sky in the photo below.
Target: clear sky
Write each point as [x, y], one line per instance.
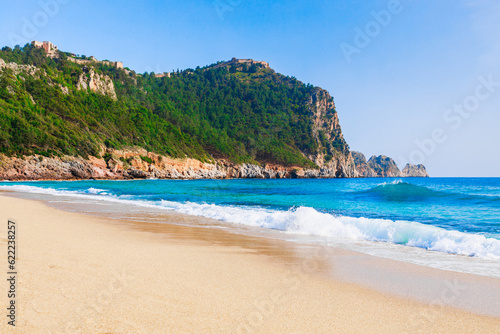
[415, 80]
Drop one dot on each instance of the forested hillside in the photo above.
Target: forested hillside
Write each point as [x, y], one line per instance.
[236, 112]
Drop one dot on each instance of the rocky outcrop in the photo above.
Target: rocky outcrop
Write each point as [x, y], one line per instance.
[415, 171]
[361, 164]
[17, 68]
[136, 163]
[42, 168]
[384, 166]
[98, 83]
[101, 84]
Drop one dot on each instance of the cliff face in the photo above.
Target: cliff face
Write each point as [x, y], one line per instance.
[335, 161]
[17, 68]
[415, 171]
[137, 163]
[101, 84]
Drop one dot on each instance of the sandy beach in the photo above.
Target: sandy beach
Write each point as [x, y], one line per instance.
[84, 274]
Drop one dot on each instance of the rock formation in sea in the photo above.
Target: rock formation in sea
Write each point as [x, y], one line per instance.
[415, 171]
[362, 165]
[383, 166]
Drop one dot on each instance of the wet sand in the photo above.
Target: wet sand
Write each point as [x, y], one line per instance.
[79, 273]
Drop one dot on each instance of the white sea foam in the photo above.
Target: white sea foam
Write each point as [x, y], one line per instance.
[96, 191]
[308, 221]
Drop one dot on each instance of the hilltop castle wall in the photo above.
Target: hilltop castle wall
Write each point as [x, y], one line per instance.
[53, 52]
[243, 61]
[49, 48]
[117, 64]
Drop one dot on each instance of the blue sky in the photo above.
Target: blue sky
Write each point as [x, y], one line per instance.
[421, 85]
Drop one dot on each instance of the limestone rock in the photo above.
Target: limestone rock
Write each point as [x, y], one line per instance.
[16, 68]
[64, 89]
[65, 168]
[138, 174]
[98, 83]
[79, 170]
[115, 165]
[336, 162]
[384, 166]
[415, 171]
[362, 165]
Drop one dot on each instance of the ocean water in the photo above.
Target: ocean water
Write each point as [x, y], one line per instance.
[447, 223]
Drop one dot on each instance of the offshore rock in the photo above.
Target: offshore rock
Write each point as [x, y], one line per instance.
[415, 171]
[384, 166]
[362, 165]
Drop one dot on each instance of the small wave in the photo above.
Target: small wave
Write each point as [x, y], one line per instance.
[402, 191]
[399, 191]
[96, 191]
[309, 221]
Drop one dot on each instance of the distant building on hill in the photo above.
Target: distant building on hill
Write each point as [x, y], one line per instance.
[236, 61]
[49, 48]
[162, 75]
[248, 61]
[53, 52]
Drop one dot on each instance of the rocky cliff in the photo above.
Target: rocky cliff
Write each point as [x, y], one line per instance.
[18, 68]
[101, 84]
[333, 161]
[137, 163]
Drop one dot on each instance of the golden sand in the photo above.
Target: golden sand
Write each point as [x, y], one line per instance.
[82, 274]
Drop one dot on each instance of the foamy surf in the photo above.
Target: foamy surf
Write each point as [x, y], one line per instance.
[307, 221]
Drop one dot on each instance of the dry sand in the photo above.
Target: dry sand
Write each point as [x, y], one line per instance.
[82, 274]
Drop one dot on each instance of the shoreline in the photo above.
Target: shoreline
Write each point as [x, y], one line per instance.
[204, 279]
[138, 163]
[89, 200]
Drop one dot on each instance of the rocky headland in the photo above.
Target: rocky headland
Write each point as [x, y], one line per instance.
[84, 119]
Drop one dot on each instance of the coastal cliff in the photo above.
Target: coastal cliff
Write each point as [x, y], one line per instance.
[137, 163]
[78, 118]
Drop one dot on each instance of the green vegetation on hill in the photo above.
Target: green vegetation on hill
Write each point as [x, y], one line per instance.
[244, 114]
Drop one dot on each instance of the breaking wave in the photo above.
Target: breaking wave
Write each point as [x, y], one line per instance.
[309, 221]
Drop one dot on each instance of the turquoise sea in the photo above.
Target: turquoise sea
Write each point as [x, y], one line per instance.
[449, 223]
